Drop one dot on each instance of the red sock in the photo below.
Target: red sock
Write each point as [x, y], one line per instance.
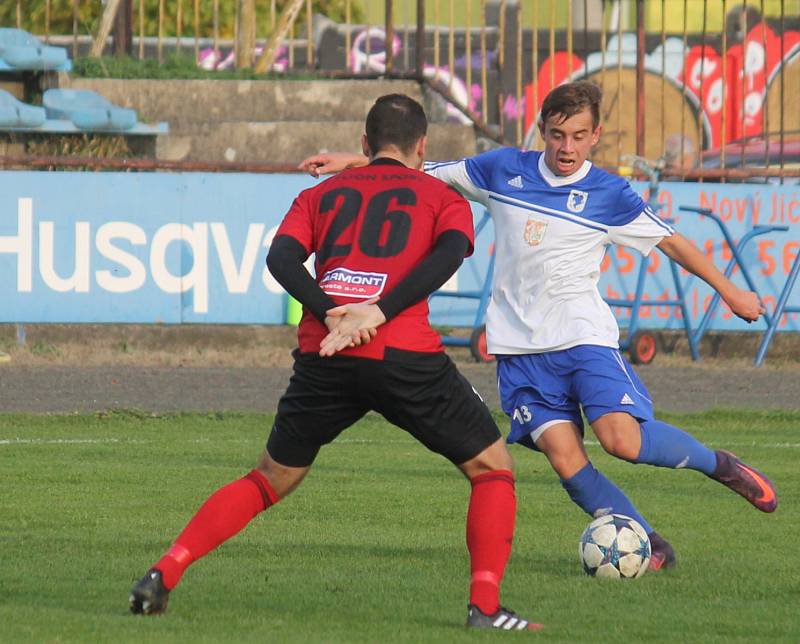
[490, 531]
[222, 516]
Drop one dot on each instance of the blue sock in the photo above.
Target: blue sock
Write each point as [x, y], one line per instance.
[667, 446]
[591, 491]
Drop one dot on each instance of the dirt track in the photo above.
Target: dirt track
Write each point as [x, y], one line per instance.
[54, 388]
[81, 368]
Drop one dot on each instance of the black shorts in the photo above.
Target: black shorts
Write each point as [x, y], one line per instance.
[422, 393]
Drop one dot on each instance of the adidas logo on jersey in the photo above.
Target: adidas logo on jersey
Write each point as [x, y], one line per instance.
[516, 182]
[626, 400]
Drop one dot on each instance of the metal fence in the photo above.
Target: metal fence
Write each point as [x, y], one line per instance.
[704, 85]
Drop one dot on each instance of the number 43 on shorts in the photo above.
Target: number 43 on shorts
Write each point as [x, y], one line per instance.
[522, 415]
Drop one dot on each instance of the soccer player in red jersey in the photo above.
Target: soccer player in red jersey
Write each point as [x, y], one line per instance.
[385, 233]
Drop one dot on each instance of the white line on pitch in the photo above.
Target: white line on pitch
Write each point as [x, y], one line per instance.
[57, 441]
[341, 441]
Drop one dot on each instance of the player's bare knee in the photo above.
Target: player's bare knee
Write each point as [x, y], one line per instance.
[283, 479]
[617, 442]
[619, 435]
[618, 446]
[563, 446]
[566, 463]
[494, 457]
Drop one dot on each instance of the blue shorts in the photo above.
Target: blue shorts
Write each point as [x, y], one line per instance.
[538, 390]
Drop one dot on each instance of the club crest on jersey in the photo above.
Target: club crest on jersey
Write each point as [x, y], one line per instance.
[347, 283]
[534, 231]
[577, 200]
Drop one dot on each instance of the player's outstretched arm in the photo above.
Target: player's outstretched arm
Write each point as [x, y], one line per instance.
[331, 162]
[452, 173]
[744, 304]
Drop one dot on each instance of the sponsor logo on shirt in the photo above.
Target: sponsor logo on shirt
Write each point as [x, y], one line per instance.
[577, 200]
[516, 182]
[534, 231]
[347, 283]
[626, 400]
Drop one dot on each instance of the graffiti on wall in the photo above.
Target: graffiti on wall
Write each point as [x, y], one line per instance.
[697, 70]
[368, 54]
[212, 59]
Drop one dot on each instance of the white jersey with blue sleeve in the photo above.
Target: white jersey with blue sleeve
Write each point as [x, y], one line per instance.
[551, 234]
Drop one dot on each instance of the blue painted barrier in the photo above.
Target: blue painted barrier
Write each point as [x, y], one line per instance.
[189, 248]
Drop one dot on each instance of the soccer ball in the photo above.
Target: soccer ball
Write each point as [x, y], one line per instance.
[615, 547]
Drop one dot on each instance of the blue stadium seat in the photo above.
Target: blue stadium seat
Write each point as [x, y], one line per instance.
[87, 110]
[69, 111]
[21, 51]
[16, 114]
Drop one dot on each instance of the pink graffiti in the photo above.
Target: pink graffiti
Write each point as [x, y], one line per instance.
[222, 60]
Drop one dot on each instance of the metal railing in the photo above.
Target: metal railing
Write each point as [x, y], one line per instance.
[710, 86]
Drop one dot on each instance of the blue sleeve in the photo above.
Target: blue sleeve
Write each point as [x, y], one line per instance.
[627, 204]
[481, 168]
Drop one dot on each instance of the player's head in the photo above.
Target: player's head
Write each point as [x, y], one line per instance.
[396, 125]
[570, 125]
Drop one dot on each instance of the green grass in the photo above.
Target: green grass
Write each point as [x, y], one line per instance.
[371, 548]
[174, 66]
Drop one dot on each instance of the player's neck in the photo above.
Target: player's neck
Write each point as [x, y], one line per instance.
[561, 180]
[397, 156]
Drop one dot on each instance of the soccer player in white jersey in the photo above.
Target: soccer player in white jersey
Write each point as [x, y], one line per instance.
[555, 338]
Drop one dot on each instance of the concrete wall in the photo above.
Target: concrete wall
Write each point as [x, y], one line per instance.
[266, 121]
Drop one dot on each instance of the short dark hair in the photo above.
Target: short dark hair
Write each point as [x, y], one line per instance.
[570, 98]
[395, 119]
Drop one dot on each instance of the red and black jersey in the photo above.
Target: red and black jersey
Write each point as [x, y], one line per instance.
[368, 228]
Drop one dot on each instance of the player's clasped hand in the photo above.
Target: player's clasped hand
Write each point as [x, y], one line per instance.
[351, 325]
[335, 341]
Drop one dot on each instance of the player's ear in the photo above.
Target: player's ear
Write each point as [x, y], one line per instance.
[365, 146]
[540, 123]
[596, 134]
[421, 145]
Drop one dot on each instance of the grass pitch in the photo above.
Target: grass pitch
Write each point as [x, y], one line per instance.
[371, 547]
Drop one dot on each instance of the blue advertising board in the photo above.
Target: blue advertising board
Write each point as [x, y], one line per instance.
[140, 247]
[767, 258]
[189, 248]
